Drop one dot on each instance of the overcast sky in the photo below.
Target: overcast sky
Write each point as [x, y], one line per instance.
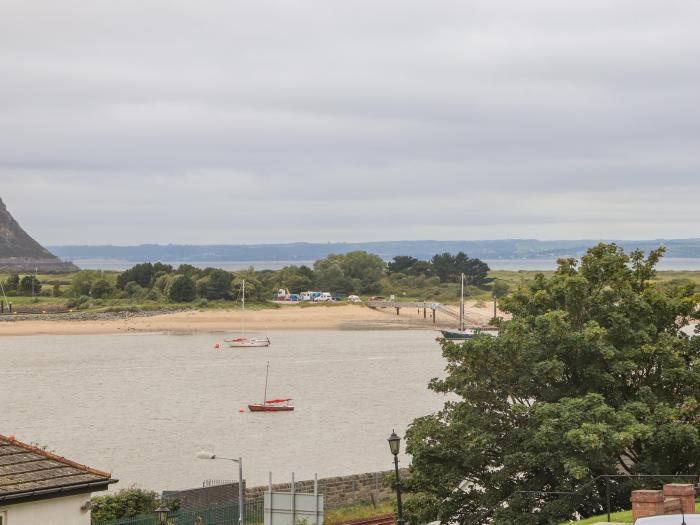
[129, 122]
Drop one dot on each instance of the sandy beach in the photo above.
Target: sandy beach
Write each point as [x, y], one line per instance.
[340, 317]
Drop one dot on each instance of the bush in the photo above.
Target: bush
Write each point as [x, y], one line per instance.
[183, 290]
[100, 288]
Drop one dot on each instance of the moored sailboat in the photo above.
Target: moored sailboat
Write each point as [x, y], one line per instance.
[271, 405]
[242, 341]
[463, 332]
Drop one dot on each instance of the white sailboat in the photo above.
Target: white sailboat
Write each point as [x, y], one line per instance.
[242, 341]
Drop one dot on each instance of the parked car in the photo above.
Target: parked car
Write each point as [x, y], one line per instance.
[323, 297]
[670, 519]
[377, 298]
[354, 299]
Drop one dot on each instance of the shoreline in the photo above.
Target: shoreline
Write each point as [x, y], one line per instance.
[343, 317]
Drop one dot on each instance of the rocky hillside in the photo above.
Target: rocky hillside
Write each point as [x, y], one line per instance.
[20, 253]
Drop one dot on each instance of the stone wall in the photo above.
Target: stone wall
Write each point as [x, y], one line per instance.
[338, 491]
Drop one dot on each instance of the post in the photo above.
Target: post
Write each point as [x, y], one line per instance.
[397, 310]
[607, 478]
[269, 486]
[294, 501]
[424, 314]
[316, 497]
[433, 315]
[399, 521]
[495, 308]
[241, 495]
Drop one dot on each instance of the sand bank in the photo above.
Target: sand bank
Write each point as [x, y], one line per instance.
[319, 317]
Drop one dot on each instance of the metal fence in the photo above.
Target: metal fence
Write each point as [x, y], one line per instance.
[215, 514]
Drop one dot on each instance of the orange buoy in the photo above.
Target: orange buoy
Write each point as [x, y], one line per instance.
[216, 345]
[241, 409]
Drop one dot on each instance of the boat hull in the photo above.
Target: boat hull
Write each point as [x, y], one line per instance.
[458, 335]
[248, 344]
[270, 408]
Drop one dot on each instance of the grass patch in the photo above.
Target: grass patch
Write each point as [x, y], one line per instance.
[357, 512]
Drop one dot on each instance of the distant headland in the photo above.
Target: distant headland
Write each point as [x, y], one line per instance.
[20, 253]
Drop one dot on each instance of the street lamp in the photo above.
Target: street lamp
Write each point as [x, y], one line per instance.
[395, 447]
[162, 514]
[241, 498]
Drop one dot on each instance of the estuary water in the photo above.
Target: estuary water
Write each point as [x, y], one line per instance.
[141, 406]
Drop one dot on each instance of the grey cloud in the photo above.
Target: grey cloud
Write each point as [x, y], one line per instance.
[177, 121]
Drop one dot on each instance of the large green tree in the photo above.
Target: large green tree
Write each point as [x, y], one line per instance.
[356, 271]
[593, 375]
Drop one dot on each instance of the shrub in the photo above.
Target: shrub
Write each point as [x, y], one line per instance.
[183, 290]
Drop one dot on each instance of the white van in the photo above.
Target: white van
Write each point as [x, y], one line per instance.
[325, 296]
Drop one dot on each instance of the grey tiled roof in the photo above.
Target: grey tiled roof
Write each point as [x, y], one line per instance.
[28, 471]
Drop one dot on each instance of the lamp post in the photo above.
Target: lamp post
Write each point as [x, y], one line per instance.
[162, 514]
[241, 498]
[395, 447]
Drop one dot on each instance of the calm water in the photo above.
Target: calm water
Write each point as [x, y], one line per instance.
[667, 263]
[141, 406]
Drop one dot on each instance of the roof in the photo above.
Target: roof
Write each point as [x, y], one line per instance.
[28, 472]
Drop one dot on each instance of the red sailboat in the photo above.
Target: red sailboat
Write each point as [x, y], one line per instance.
[271, 405]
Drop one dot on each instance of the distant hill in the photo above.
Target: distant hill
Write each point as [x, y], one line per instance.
[20, 253]
[497, 249]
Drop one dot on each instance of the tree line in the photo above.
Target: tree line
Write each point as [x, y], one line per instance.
[357, 272]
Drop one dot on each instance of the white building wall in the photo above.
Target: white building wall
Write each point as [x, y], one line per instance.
[55, 511]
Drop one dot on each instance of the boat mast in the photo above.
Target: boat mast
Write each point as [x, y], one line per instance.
[243, 308]
[461, 305]
[267, 372]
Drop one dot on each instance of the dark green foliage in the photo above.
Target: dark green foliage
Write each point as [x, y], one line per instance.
[143, 274]
[11, 283]
[591, 376]
[30, 284]
[100, 289]
[216, 285]
[295, 278]
[357, 272]
[188, 270]
[127, 503]
[401, 264]
[448, 267]
[182, 290]
[82, 282]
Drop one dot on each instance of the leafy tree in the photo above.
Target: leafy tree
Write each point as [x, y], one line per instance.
[100, 289]
[592, 376]
[142, 274]
[424, 268]
[188, 270]
[82, 282]
[182, 290]
[329, 276]
[401, 264]
[255, 290]
[217, 284]
[126, 503]
[356, 271]
[295, 278]
[30, 284]
[500, 288]
[11, 284]
[448, 267]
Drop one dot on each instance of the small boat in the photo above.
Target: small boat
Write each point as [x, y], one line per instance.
[242, 341]
[245, 342]
[464, 332]
[271, 405]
